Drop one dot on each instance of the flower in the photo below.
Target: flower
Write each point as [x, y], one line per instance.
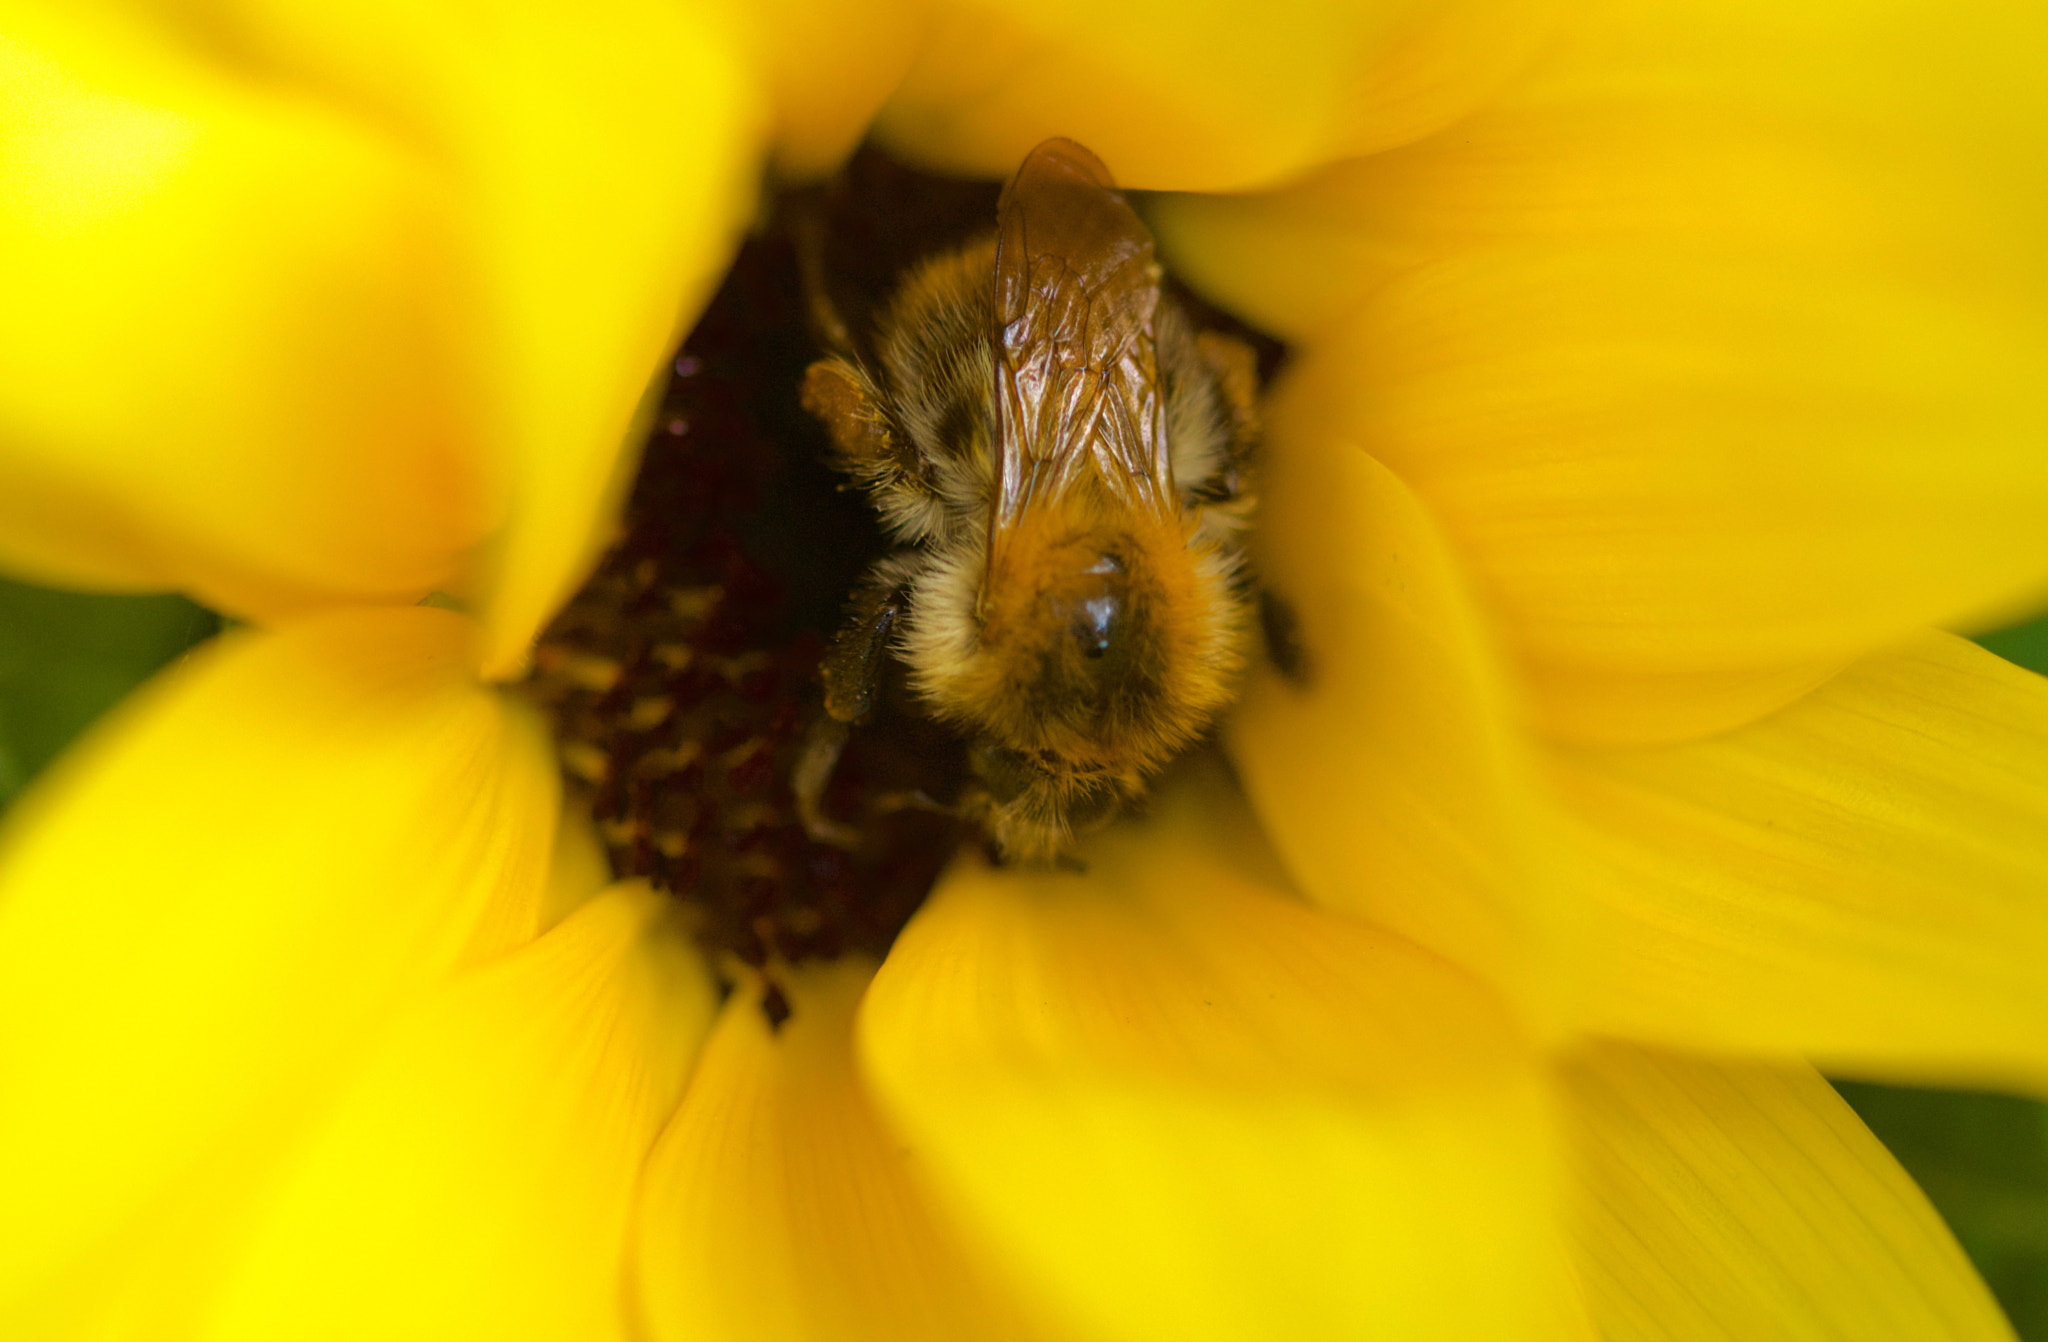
[1663, 377]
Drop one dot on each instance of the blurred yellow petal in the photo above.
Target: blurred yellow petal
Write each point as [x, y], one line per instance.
[477, 1178]
[226, 351]
[607, 156]
[1216, 96]
[828, 66]
[1716, 346]
[1678, 538]
[778, 1204]
[605, 159]
[1731, 1200]
[578, 868]
[1193, 1107]
[1387, 770]
[1861, 877]
[207, 910]
[336, 286]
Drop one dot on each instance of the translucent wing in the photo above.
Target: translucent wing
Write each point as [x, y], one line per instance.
[1077, 381]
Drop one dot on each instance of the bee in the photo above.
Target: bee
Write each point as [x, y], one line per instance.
[1063, 464]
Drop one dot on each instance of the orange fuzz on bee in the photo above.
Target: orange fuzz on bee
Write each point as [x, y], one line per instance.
[1104, 641]
[1064, 463]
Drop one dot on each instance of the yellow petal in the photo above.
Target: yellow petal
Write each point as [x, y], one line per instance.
[207, 910]
[1387, 771]
[578, 868]
[828, 66]
[779, 1205]
[1192, 1107]
[1215, 96]
[478, 1176]
[1716, 345]
[227, 351]
[607, 156]
[1862, 877]
[1742, 1201]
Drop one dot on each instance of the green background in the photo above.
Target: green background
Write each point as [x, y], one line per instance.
[66, 658]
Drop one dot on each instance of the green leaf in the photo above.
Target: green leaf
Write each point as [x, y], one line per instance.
[1983, 1161]
[67, 657]
[2026, 644]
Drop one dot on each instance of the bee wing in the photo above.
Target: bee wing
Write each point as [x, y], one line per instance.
[1077, 379]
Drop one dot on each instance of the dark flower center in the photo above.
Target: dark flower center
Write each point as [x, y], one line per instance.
[682, 680]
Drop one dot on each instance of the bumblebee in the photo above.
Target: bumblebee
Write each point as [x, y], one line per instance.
[1063, 464]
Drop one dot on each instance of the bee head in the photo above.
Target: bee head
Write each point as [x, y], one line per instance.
[1036, 804]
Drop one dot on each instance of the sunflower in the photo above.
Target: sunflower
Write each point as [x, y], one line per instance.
[1663, 380]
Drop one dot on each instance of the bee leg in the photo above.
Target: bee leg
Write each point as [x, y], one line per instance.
[852, 672]
[852, 669]
[845, 400]
[805, 211]
[866, 444]
[1235, 367]
[815, 760]
[917, 799]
